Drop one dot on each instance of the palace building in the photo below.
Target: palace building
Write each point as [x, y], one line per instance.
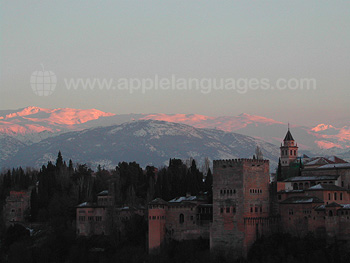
[247, 205]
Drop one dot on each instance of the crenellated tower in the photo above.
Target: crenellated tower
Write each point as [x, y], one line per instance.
[241, 205]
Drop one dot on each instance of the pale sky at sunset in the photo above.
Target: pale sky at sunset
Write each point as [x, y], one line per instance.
[190, 39]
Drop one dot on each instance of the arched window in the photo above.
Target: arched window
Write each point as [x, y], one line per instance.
[181, 218]
[295, 186]
[301, 186]
[330, 213]
[306, 185]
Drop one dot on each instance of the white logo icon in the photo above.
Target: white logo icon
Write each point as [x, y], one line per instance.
[43, 82]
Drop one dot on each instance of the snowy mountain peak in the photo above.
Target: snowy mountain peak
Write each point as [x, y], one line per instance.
[322, 127]
[255, 118]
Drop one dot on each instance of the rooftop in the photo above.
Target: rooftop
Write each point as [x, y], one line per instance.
[103, 193]
[158, 201]
[311, 178]
[335, 165]
[329, 187]
[333, 204]
[183, 199]
[302, 200]
[289, 136]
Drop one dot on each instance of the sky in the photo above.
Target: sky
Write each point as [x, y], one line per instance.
[240, 42]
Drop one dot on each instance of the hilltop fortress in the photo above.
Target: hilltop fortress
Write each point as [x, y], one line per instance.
[309, 194]
[306, 195]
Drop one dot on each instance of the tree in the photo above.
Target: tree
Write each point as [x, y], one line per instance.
[208, 186]
[279, 170]
[59, 160]
[258, 153]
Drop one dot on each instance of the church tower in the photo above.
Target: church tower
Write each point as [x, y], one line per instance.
[289, 152]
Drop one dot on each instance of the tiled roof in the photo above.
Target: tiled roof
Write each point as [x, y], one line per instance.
[345, 206]
[183, 199]
[329, 187]
[311, 178]
[320, 207]
[288, 137]
[290, 191]
[302, 200]
[86, 205]
[158, 201]
[103, 193]
[318, 161]
[333, 204]
[335, 165]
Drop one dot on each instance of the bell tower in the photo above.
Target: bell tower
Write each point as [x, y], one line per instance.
[289, 150]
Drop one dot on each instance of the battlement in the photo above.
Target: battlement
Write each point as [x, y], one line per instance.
[241, 161]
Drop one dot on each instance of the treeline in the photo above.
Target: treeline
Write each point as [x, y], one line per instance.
[178, 180]
[58, 187]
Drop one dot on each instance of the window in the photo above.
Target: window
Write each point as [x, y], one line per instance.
[191, 217]
[329, 196]
[291, 152]
[330, 213]
[341, 196]
[221, 210]
[335, 196]
[227, 210]
[91, 218]
[82, 218]
[279, 197]
[256, 209]
[295, 152]
[233, 209]
[98, 218]
[295, 186]
[181, 218]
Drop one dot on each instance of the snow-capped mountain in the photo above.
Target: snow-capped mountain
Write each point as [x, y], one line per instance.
[33, 124]
[146, 142]
[9, 146]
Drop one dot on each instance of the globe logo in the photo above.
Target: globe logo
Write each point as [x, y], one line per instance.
[43, 82]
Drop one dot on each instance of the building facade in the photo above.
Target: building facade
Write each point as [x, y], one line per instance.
[247, 205]
[16, 205]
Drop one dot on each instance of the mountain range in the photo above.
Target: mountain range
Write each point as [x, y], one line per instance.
[26, 129]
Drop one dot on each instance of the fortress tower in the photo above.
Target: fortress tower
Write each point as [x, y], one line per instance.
[156, 224]
[241, 209]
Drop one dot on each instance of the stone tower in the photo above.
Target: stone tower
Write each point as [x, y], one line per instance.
[241, 206]
[289, 153]
[156, 224]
